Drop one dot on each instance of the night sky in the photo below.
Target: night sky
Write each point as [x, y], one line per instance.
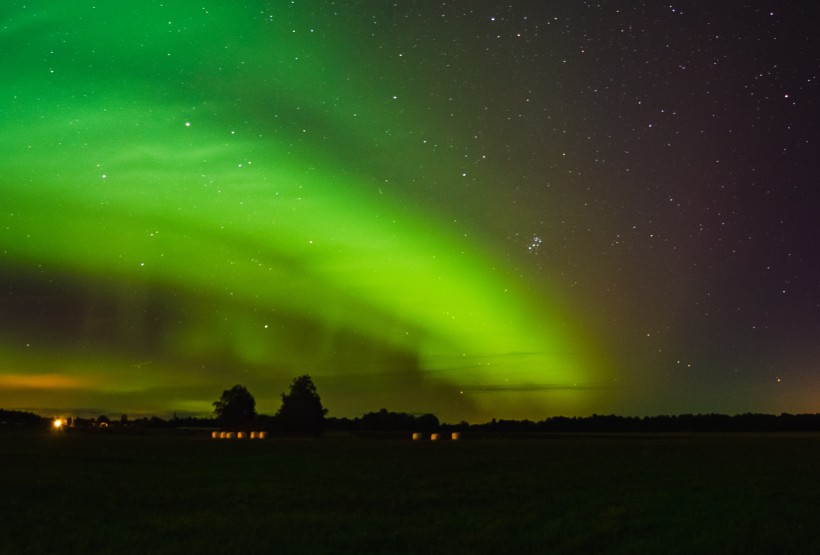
[476, 209]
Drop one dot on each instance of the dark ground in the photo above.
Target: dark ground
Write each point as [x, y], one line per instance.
[92, 492]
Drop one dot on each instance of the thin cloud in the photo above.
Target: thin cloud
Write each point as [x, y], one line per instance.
[529, 388]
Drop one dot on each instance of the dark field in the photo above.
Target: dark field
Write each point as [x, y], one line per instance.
[104, 493]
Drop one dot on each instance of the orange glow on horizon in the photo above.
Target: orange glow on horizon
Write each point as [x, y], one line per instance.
[41, 381]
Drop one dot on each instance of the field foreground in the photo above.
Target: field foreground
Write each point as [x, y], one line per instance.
[176, 493]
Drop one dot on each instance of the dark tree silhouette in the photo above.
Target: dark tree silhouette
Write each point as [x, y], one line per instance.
[236, 407]
[23, 418]
[301, 411]
[386, 421]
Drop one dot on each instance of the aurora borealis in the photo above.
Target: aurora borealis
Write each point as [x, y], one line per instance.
[480, 210]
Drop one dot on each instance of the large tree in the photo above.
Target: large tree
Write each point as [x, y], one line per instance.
[301, 411]
[236, 407]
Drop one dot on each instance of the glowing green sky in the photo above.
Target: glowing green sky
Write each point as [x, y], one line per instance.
[473, 209]
[202, 196]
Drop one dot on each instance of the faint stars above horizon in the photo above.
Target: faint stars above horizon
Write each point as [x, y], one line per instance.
[391, 196]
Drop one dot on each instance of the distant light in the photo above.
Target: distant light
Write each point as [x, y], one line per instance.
[58, 423]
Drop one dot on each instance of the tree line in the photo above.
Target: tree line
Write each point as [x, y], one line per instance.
[302, 413]
[747, 422]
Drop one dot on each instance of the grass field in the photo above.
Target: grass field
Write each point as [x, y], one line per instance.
[176, 493]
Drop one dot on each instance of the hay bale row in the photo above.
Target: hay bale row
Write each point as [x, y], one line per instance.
[239, 435]
[454, 436]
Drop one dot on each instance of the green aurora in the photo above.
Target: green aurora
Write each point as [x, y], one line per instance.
[195, 197]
